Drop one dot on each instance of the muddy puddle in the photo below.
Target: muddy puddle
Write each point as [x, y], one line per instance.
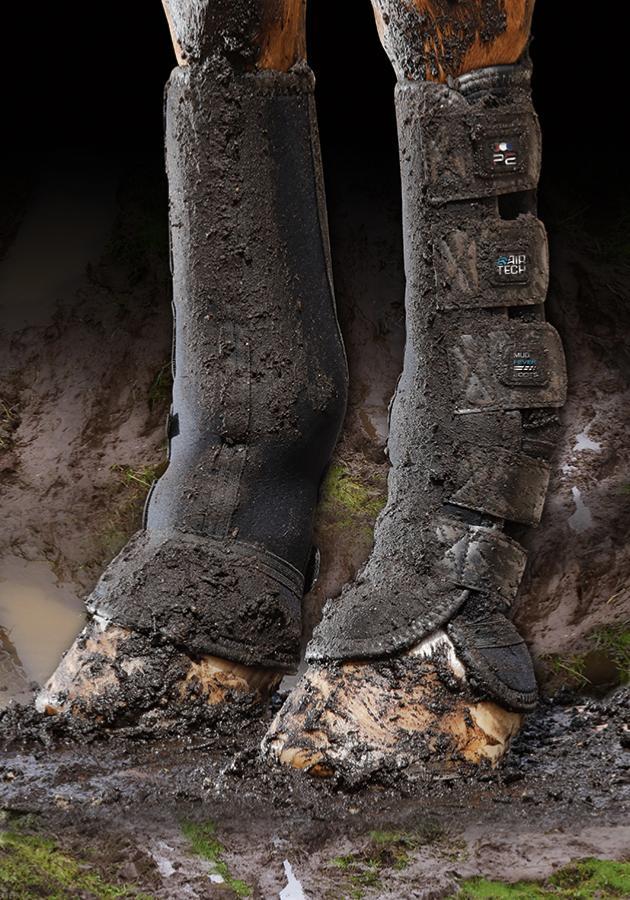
[39, 615]
[79, 433]
[65, 229]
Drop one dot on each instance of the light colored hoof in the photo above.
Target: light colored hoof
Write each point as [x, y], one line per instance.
[86, 670]
[363, 717]
[111, 672]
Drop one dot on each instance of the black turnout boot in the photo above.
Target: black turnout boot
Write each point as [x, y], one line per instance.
[260, 380]
[472, 432]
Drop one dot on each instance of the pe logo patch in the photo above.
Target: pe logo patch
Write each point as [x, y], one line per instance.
[504, 155]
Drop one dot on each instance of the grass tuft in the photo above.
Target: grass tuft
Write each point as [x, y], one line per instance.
[9, 421]
[34, 866]
[614, 641]
[126, 515]
[588, 879]
[161, 388]
[605, 661]
[386, 851]
[204, 843]
[349, 501]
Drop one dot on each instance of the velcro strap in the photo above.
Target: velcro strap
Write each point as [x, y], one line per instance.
[503, 484]
[505, 263]
[471, 152]
[481, 559]
[520, 366]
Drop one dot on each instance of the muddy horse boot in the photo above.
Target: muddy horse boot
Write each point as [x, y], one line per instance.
[417, 662]
[204, 603]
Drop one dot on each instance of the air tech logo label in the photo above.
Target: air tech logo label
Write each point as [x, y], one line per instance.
[504, 155]
[511, 265]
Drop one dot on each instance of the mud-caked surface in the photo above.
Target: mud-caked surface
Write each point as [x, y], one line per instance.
[223, 597]
[433, 39]
[113, 676]
[450, 469]
[225, 30]
[259, 373]
[169, 815]
[357, 720]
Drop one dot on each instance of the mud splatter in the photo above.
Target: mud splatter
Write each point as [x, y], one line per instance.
[563, 795]
[437, 39]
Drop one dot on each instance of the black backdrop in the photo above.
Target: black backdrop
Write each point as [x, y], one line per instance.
[90, 78]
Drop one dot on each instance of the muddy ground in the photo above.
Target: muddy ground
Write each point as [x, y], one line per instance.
[166, 817]
[81, 430]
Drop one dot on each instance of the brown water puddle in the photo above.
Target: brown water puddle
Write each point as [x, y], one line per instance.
[40, 615]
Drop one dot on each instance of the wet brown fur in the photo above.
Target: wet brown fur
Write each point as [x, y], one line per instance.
[438, 39]
[266, 34]
[442, 38]
[498, 32]
[283, 35]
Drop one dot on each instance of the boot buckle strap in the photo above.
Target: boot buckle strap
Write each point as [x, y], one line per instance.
[481, 559]
[471, 153]
[520, 366]
[481, 266]
[503, 484]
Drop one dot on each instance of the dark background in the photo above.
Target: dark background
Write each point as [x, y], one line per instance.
[90, 79]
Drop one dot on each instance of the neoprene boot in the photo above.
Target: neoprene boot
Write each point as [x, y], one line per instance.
[474, 418]
[260, 375]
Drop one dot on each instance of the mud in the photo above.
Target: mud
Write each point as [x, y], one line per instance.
[40, 612]
[80, 431]
[226, 30]
[563, 794]
[357, 719]
[579, 577]
[14, 682]
[461, 429]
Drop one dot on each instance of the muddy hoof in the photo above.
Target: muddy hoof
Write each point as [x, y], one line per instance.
[118, 676]
[356, 719]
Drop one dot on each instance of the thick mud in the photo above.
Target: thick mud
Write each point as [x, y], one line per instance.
[435, 40]
[140, 807]
[81, 431]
